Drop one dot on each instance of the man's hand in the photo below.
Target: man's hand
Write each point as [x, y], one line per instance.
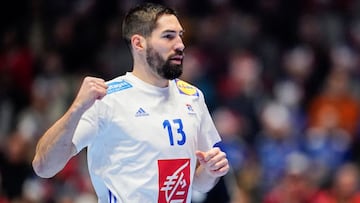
[91, 89]
[214, 162]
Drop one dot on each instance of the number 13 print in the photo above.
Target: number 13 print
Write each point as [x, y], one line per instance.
[177, 123]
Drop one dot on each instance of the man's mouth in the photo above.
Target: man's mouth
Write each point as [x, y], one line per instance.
[177, 59]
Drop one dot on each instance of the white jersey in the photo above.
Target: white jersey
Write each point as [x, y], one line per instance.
[142, 139]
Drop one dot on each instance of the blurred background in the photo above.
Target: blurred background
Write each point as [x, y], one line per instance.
[281, 79]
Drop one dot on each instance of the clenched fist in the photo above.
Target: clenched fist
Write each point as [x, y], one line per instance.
[214, 162]
[91, 89]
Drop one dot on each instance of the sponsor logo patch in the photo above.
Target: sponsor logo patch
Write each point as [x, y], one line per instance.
[186, 88]
[174, 180]
[118, 86]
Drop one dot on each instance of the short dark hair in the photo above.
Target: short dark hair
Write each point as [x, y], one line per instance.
[142, 20]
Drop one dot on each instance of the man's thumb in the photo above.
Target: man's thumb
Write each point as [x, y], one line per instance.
[201, 156]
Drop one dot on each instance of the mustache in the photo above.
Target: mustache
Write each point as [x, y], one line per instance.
[178, 53]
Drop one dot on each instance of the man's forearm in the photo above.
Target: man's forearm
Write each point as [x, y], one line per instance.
[55, 147]
[203, 182]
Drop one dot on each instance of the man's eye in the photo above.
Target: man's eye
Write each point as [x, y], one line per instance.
[168, 36]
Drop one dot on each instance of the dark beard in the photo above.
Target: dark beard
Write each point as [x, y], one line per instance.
[163, 68]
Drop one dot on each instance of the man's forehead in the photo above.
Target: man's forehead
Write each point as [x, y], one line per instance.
[168, 23]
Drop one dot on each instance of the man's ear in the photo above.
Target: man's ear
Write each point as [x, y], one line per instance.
[138, 43]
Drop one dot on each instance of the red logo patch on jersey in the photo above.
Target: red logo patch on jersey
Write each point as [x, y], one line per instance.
[174, 180]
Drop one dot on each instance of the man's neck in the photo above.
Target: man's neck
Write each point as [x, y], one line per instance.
[146, 75]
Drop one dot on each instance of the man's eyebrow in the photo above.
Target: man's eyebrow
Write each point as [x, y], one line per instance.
[173, 31]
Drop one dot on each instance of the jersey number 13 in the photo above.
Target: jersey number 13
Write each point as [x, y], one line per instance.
[178, 125]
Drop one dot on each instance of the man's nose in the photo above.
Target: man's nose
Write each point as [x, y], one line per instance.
[179, 46]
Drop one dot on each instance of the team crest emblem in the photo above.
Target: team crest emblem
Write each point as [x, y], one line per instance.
[190, 109]
[174, 180]
[186, 88]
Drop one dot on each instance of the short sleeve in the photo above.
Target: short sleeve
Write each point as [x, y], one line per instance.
[88, 127]
[209, 136]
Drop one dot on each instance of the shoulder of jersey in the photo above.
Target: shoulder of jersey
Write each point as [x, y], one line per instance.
[186, 89]
[117, 86]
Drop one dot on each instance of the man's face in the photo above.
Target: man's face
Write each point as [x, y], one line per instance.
[164, 52]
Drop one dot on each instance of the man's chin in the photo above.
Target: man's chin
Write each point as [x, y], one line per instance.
[173, 75]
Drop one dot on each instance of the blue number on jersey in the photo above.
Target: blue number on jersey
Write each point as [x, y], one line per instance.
[180, 131]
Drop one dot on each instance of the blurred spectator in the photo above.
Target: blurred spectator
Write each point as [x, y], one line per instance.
[290, 94]
[7, 108]
[344, 188]
[242, 90]
[275, 142]
[229, 126]
[302, 65]
[342, 57]
[15, 167]
[295, 186]
[333, 118]
[71, 184]
[113, 57]
[16, 67]
[49, 98]
[337, 99]
[62, 40]
[298, 64]
[327, 145]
